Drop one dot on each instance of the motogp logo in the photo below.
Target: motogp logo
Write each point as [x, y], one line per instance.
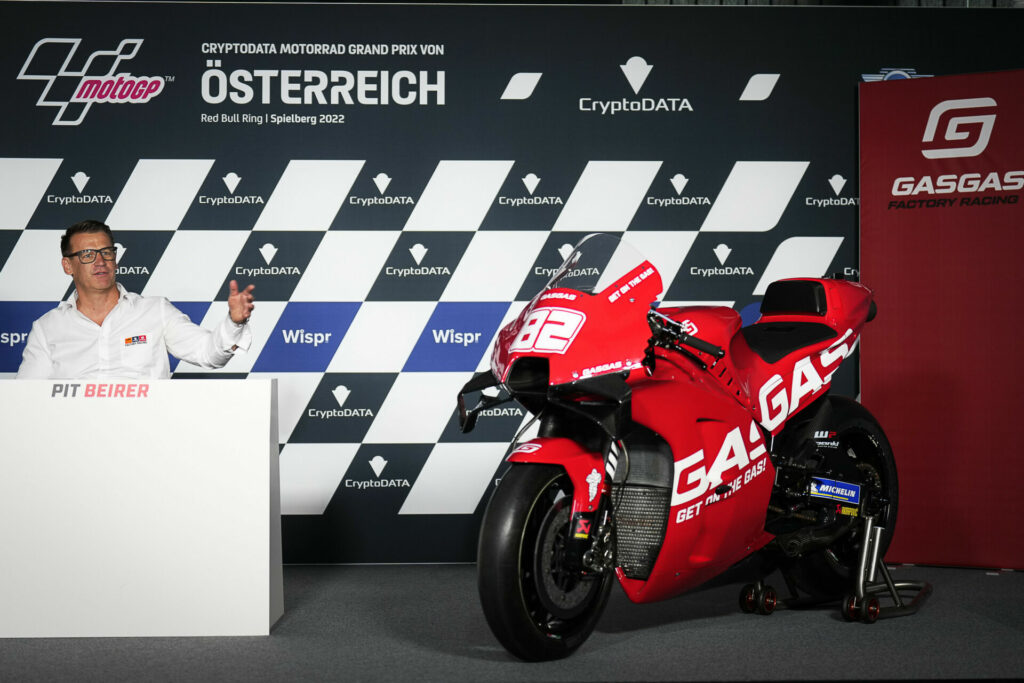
[73, 91]
[964, 135]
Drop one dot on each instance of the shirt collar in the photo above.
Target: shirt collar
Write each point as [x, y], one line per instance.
[72, 301]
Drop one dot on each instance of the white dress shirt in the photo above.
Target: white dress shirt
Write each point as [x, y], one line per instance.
[132, 342]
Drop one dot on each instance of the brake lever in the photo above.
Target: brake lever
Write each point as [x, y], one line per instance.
[668, 325]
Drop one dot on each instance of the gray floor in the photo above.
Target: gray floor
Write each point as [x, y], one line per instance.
[383, 623]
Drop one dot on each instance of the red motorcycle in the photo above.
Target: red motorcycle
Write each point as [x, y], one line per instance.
[672, 444]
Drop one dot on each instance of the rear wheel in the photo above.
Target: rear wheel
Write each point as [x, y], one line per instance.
[536, 605]
[864, 455]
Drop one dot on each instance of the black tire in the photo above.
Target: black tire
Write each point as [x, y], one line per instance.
[748, 599]
[536, 613]
[850, 609]
[870, 610]
[768, 601]
[828, 573]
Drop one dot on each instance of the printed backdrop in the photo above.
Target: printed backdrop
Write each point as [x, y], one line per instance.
[399, 181]
[943, 187]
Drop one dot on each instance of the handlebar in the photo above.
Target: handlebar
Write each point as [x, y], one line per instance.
[664, 326]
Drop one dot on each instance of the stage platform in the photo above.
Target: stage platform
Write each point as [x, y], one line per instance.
[423, 623]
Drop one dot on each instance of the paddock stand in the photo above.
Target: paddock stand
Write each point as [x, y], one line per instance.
[863, 604]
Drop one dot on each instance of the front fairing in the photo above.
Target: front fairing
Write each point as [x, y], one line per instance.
[591, 318]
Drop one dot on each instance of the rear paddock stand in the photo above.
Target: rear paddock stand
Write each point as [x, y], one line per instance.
[863, 604]
[872, 583]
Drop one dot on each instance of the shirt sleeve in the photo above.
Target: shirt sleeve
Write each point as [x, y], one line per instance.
[199, 346]
[35, 360]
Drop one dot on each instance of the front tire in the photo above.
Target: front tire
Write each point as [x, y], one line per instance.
[828, 572]
[536, 609]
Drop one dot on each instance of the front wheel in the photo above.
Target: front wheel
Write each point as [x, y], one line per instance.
[537, 607]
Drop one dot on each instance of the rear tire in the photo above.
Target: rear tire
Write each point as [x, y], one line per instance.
[828, 573]
[535, 609]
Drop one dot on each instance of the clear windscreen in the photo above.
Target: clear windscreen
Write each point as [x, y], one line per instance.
[598, 261]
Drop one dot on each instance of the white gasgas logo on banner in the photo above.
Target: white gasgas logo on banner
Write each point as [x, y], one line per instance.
[958, 129]
[98, 80]
[964, 135]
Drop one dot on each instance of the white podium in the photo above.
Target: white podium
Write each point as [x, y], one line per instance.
[146, 508]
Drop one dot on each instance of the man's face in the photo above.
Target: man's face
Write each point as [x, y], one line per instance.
[97, 276]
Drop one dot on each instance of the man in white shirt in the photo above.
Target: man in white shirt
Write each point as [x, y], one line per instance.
[104, 331]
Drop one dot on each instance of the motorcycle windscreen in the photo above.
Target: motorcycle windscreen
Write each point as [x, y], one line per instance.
[591, 318]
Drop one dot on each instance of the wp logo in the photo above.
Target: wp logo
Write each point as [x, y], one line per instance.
[72, 84]
[965, 127]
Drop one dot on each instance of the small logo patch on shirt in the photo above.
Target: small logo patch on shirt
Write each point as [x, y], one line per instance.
[132, 341]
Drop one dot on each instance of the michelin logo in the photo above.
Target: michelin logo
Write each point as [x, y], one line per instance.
[835, 490]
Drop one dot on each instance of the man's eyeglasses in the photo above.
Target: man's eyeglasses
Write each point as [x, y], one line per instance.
[89, 255]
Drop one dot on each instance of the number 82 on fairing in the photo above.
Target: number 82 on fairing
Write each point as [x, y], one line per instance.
[549, 330]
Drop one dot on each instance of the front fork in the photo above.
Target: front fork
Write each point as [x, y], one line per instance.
[589, 543]
[600, 556]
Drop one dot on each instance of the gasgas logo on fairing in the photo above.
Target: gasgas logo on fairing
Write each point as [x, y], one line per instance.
[693, 479]
[810, 374]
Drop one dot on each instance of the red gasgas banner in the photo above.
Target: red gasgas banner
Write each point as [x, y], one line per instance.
[942, 231]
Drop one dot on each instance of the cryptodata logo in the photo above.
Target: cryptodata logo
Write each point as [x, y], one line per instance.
[530, 182]
[73, 91]
[377, 463]
[636, 70]
[80, 179]
[382, 181]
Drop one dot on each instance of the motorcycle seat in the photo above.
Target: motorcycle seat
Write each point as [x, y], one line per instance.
[791, 315]
[773, 341]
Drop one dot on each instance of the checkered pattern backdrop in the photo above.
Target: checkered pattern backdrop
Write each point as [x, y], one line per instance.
[389, 248]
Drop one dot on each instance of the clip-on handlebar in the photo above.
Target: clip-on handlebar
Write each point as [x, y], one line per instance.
[669, 334]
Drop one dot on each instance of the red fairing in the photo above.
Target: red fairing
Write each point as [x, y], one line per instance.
[555, 326]
[779, 389]
[715, 443]
[716, 324]
[585, 468]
